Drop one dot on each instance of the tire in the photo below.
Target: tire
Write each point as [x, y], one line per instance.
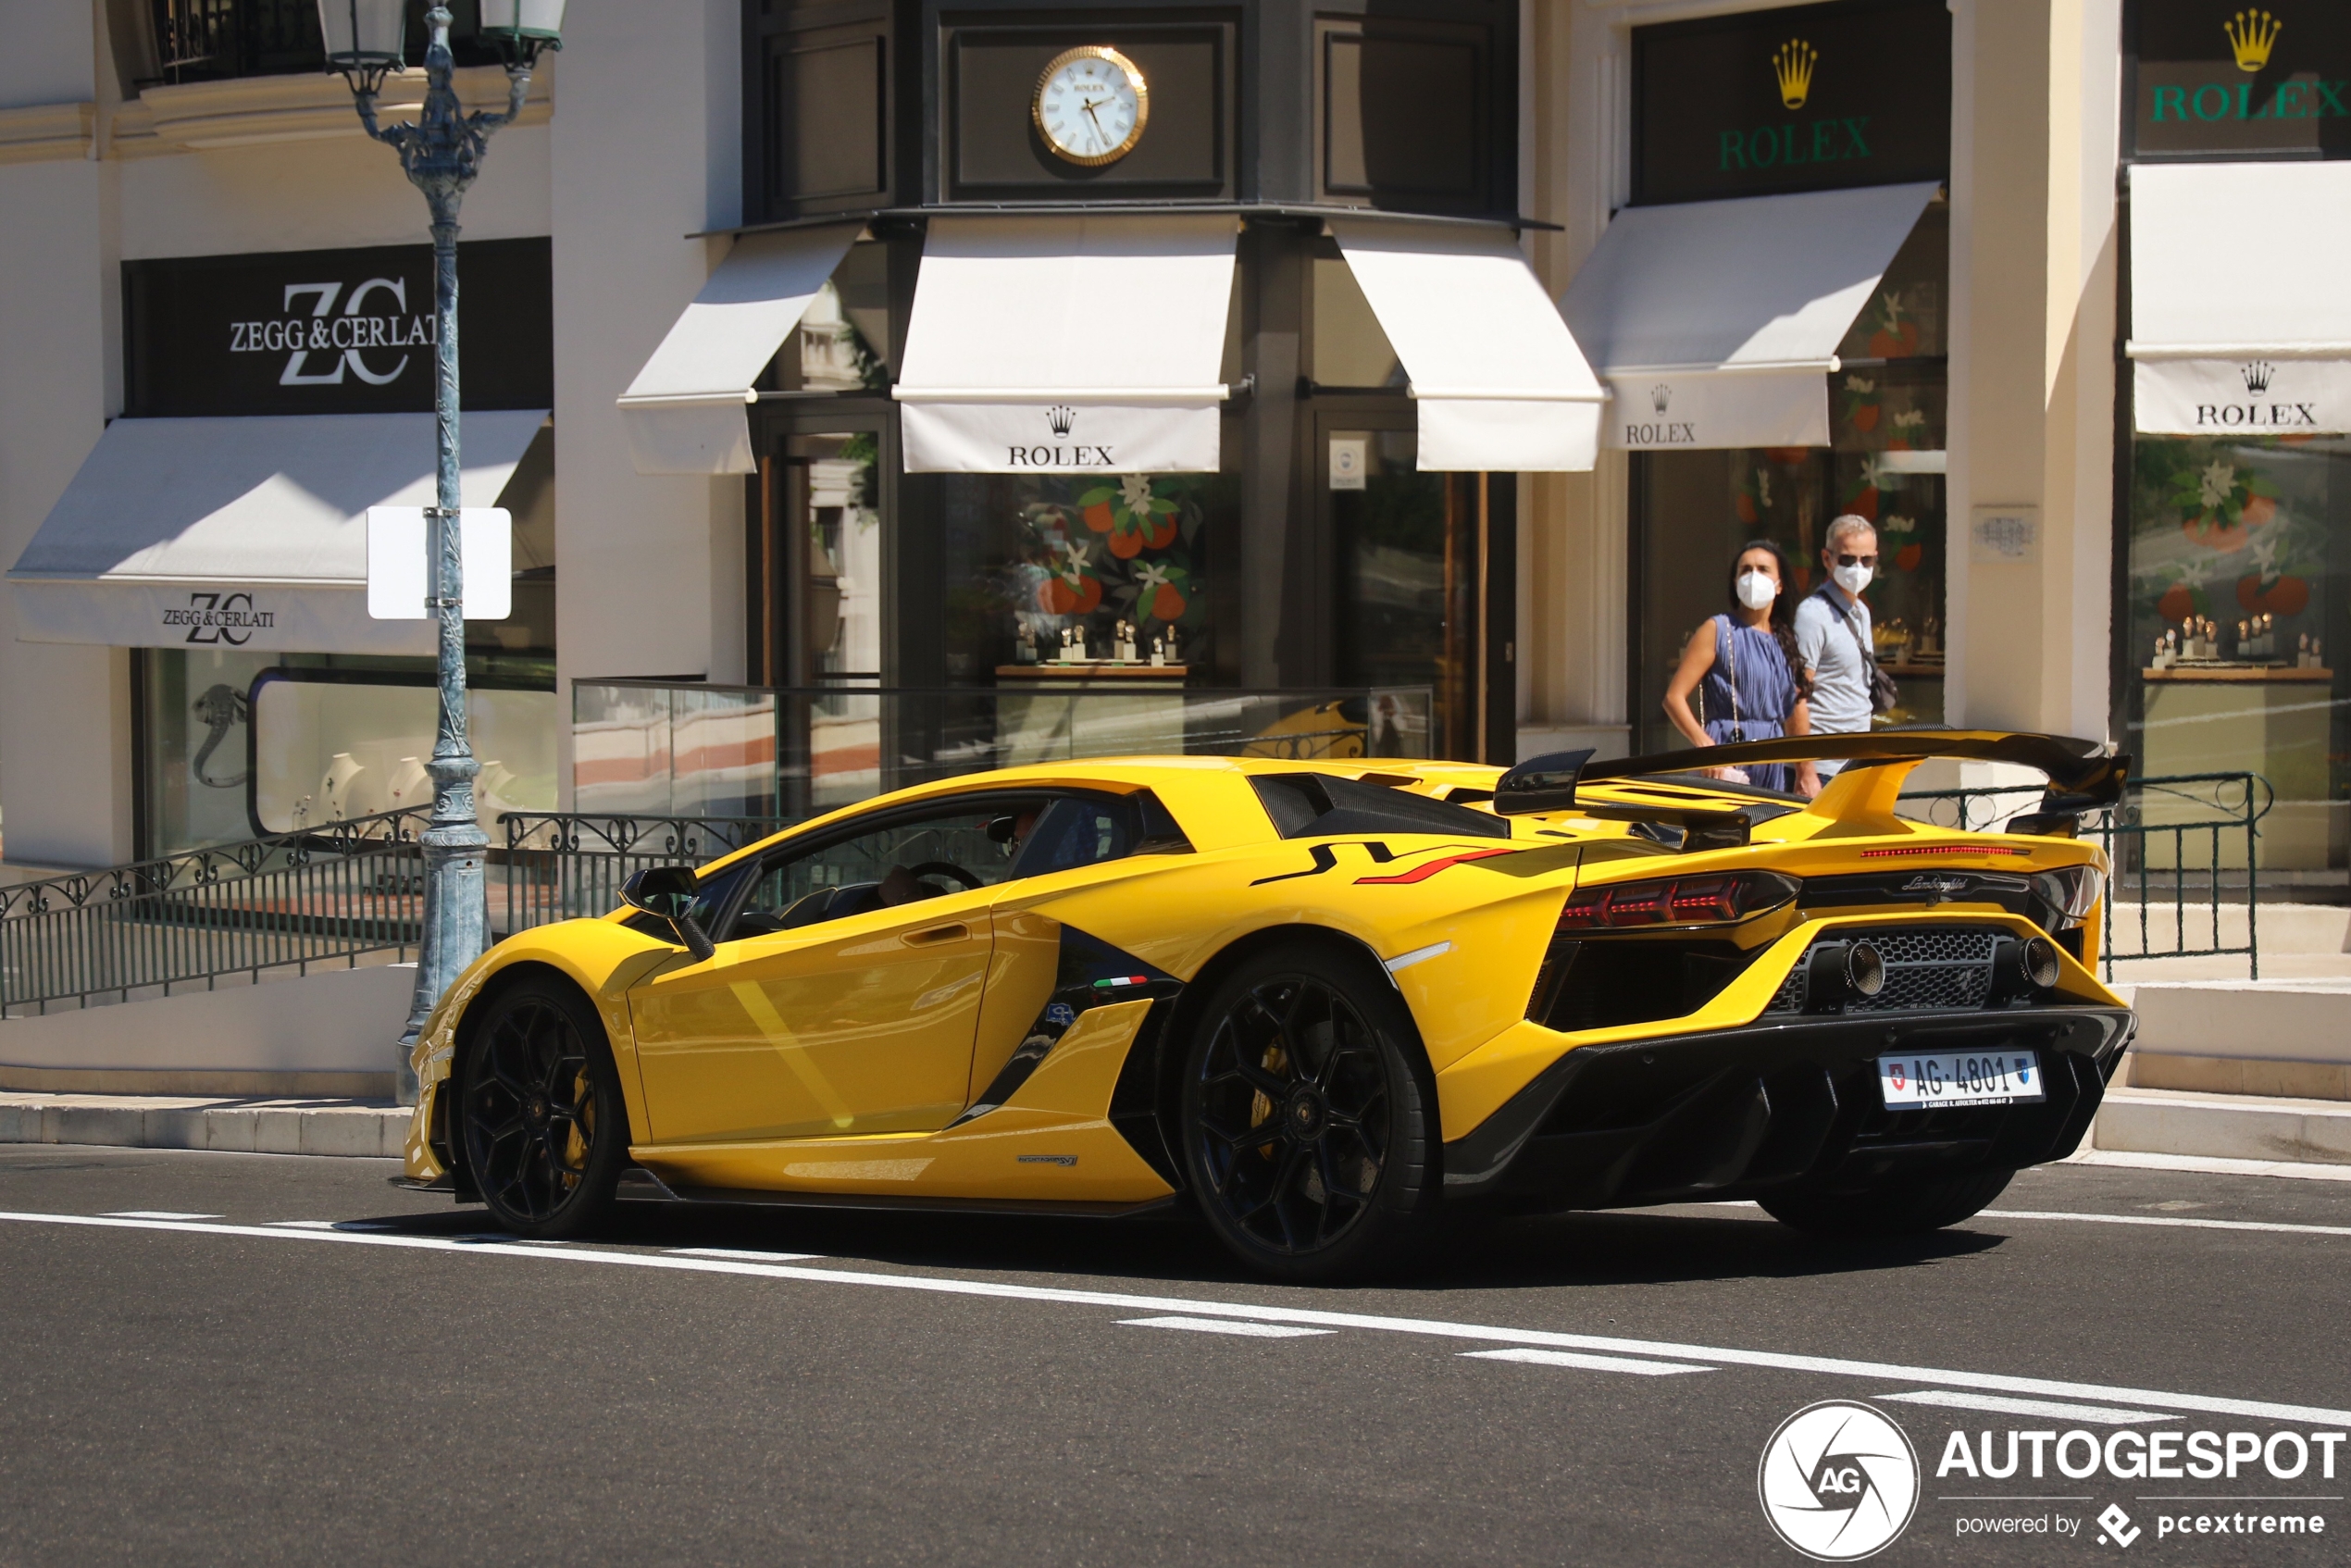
[544, 1130]
[1898, 1208]
[1314, 1051]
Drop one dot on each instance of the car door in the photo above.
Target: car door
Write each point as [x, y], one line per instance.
[844, 995]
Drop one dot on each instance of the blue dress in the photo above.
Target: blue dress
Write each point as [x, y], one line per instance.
[1766, 694]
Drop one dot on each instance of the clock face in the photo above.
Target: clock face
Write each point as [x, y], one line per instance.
[1091, 104]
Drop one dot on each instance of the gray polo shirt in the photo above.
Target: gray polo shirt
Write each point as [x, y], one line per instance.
[1830, 643]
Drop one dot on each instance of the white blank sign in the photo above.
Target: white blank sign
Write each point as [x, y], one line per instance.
[397, 565]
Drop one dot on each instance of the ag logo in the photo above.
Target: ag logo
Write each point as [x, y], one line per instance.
[1838, 1481]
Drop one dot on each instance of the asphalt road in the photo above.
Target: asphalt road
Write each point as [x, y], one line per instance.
[219, 1372]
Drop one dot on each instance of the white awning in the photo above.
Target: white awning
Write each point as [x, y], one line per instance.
[685, 411]
[1499, 382]
[1716, 324]
[243, 533]
[2221, 348]
[1067, 345]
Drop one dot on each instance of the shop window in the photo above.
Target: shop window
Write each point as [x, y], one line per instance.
[1407, 564]
[2235, 603]
[816, 562]
[1031, 560]
[234, 744]
[1887, 413]
[218, 40]
[842, 343]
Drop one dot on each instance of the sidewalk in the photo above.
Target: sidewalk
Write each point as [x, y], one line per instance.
[243, 1126]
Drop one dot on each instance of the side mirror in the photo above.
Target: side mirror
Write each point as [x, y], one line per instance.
[667, 893]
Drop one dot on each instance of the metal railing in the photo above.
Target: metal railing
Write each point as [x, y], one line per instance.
[561, 866]
[2177, 842]
[292, 901]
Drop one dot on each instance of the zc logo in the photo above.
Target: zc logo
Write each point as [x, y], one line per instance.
[215, 619]
[346, 334]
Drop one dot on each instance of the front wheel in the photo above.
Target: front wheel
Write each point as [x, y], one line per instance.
[546, 1132]
[1892, 1208]
[1307, 1136]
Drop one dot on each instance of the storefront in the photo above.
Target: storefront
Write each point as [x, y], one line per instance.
[1178, 347]
[1769, 312]
[220, 531]
[2234, 418]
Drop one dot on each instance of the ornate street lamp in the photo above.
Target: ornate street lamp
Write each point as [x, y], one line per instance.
[443, 152]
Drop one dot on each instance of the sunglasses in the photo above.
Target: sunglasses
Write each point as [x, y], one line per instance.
[1857, 560]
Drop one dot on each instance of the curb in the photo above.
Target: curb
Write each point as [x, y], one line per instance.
[2158, 1121]
[373, 1128]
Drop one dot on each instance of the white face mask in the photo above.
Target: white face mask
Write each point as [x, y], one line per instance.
[1852, 578]
[1757, 590]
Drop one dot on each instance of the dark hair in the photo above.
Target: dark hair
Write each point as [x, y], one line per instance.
[1782, 621]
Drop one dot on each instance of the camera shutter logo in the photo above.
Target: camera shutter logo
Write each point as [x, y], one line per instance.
[1838, 1481]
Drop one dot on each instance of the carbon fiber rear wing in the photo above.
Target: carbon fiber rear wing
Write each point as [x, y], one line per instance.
[2082, 775]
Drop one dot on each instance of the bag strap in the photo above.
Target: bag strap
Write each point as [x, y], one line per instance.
[1852, 626]
[1727, 633]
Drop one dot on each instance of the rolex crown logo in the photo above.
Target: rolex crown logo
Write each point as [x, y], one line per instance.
[2252, 34]
[1793, 63]
[1061, 418]
[1661, 396]
[2257, 376]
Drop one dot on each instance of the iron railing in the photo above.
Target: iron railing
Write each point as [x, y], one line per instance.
[562, 866]
[2176, 842]
[289, 901]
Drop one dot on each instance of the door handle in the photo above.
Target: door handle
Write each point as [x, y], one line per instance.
[935, 934]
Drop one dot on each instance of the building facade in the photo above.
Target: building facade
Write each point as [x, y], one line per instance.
[811, 352]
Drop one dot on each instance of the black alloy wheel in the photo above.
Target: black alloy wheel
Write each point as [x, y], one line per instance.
[545, 1131]
[1305, 1129]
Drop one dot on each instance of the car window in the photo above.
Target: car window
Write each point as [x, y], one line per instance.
[905, 859]
[927, 853]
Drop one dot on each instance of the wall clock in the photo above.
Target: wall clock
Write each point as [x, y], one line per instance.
[1091, 105]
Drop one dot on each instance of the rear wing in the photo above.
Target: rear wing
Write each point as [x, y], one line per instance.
[2082, 775]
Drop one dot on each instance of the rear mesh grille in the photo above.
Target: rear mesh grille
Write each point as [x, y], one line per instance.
[1926, 966]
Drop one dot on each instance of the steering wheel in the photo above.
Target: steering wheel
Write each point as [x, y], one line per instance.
[947, 868]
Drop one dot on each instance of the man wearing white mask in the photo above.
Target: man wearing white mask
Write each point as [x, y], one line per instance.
[1833, 633]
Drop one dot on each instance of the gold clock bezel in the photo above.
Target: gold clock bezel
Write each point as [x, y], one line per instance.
[1142, 105]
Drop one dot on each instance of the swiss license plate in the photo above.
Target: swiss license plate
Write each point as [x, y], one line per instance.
[1919, 1081]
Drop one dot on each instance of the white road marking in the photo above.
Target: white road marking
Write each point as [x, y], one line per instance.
[744, 1254]
[159, 1214]
[1224, 1326]
[332, 1225]
[1777, 1360]
[2104, 1414]
[1590, 1363]
[2173, 1222]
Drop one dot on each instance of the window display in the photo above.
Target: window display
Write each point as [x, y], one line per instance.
[2234, 604]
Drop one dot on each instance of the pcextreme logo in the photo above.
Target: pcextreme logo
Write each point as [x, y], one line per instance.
[1825, 141]
[1838, 1481]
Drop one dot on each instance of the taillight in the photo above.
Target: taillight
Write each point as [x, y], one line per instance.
[2072, 891]
[1717, 900]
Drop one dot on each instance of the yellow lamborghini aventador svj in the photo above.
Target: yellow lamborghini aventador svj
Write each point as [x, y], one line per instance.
[1321, 1003]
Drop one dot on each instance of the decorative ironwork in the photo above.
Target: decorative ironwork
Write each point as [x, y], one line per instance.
[290, 901]
[561, 866]
[2191, 820]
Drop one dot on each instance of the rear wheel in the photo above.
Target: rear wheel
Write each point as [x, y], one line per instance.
[1893, 1208]
[1307, 1136]
[546, 1132]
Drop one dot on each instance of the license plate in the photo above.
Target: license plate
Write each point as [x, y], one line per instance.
[1917, 1081]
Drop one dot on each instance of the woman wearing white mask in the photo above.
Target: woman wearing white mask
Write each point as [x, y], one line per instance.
[1744, 669]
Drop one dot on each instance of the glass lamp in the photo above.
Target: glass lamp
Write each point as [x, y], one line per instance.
[364, 38]
[522, 28]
